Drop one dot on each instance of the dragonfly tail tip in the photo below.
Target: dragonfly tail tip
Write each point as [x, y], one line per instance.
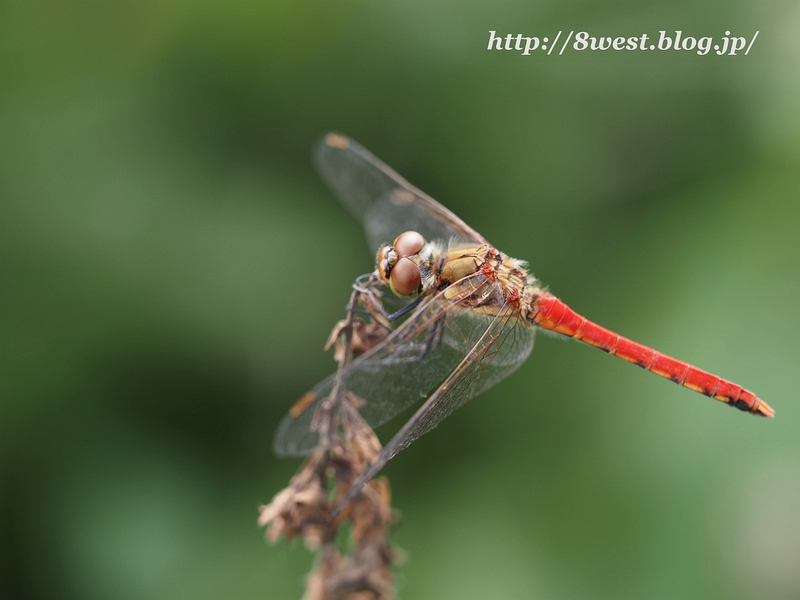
[764, 410]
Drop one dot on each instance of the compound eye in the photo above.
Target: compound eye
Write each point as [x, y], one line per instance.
[409, 243]
[405, 278]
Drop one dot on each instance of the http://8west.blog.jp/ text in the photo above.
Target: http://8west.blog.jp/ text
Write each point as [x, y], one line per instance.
[726, 45]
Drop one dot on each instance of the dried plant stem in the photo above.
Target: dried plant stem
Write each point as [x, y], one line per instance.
[357, 567]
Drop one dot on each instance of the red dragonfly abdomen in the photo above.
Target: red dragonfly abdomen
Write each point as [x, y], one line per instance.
[551, 313]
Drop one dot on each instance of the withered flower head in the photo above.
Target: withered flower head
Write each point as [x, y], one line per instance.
[305, 508]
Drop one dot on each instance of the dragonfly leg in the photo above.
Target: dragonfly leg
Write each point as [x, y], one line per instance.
[435, 339]
[377, 305]
[421, 352]
[405, 310]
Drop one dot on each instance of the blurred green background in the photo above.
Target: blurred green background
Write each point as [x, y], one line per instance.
[171, 266]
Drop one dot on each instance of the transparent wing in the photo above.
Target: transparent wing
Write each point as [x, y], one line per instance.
[383, 201]
[415, 359]
[493, 356]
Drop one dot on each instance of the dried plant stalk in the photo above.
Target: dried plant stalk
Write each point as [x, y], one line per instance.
[359, 567]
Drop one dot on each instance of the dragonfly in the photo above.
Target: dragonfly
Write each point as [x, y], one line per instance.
[446, 316]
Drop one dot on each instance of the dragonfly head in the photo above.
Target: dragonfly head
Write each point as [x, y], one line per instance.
[398, 264]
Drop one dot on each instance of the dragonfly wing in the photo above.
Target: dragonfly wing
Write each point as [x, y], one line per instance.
[295, 436]
[497, 353]
[383, 201]
[406, 367]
